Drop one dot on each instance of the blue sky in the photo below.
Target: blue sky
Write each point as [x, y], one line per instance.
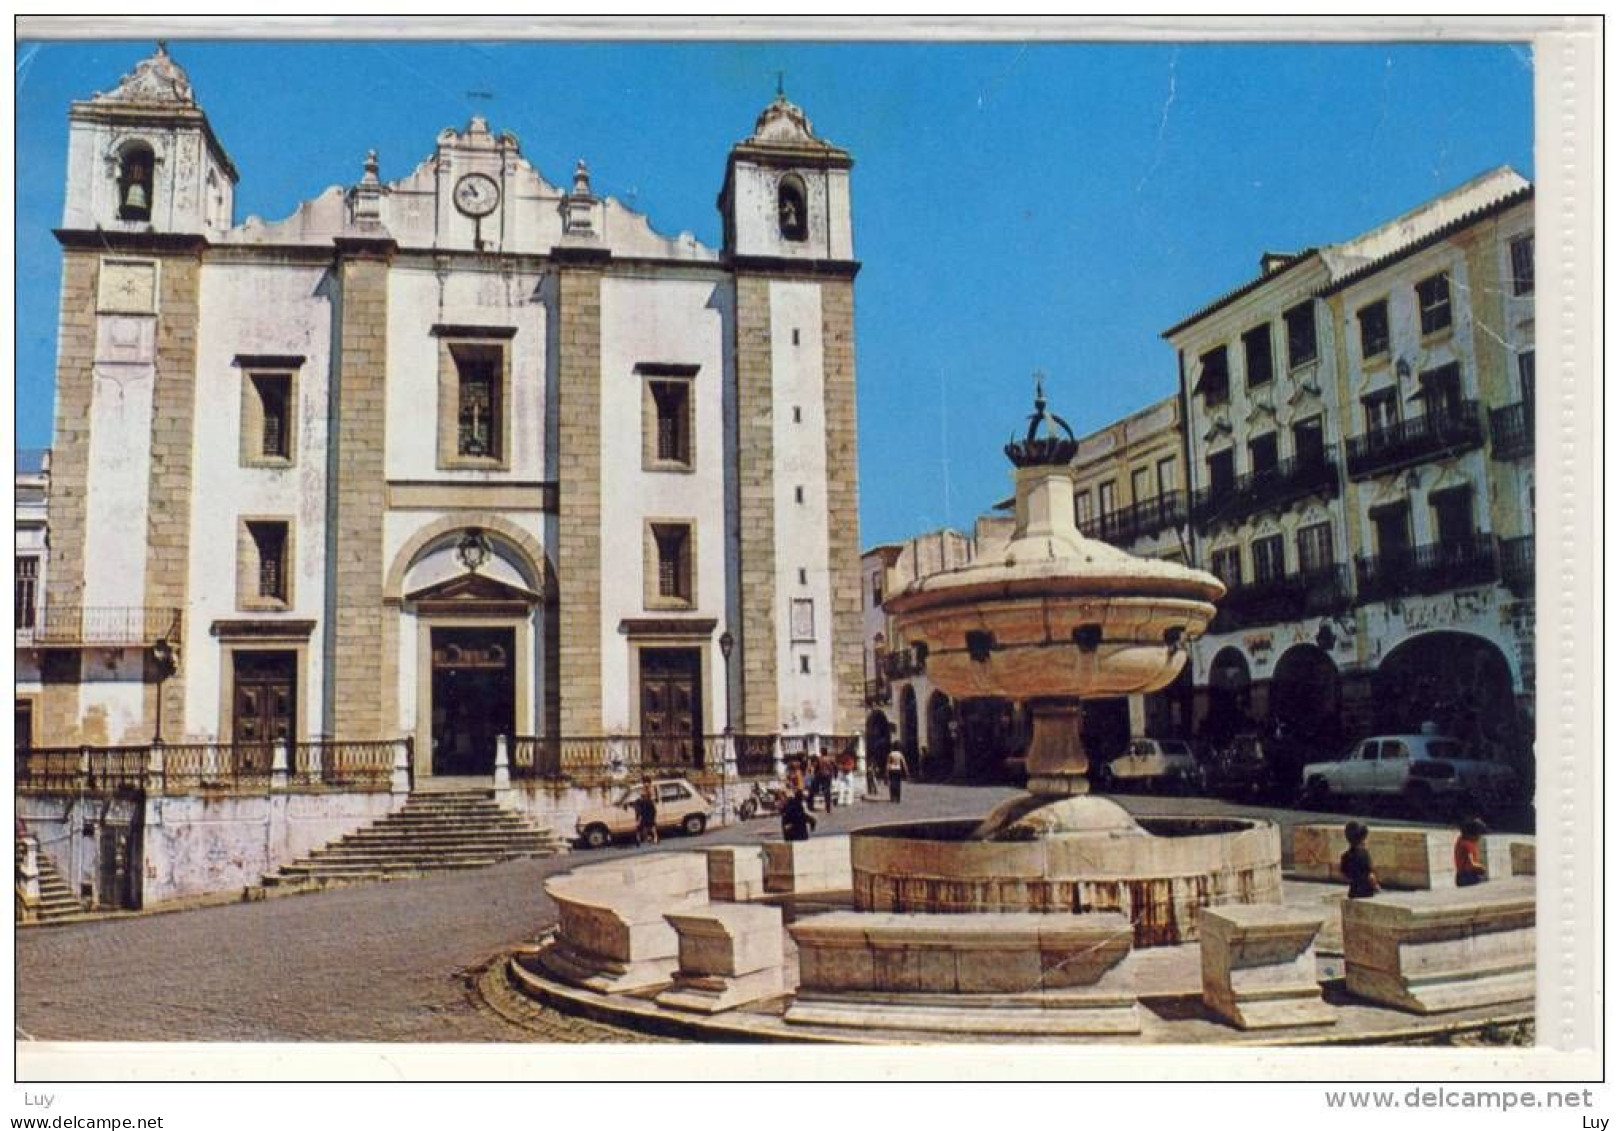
[1017, 207]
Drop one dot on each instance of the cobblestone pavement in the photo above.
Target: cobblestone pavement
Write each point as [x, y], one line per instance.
[385, 962]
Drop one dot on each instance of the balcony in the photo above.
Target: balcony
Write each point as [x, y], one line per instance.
[1518, 565]
[1294, 478]
[1138, 520]
[1447, 431]
[878, 692]
[80, 626]
[902, 664]
[1278, 600]
[1512, 431]
[1428, 569]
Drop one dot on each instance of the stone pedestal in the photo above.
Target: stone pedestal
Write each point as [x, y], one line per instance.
[998, 973]
[1415, 859]
[1429, 952]
[803, 867]
[736, 873]
[730, 955]
[612, 934]
[1259, 966]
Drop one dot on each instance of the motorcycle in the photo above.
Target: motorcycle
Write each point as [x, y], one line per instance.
[763, 798]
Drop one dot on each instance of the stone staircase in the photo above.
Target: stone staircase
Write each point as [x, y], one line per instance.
[56, 899]
[433, 832]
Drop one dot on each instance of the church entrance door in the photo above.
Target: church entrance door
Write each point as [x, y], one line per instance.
[671, 708]
[473, 697]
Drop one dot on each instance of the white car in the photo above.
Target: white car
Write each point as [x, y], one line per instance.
[1427, 771]
[1155, 762]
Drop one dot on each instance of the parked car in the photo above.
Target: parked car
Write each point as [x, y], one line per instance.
[681, 806]
[1239, 768]
[1428, 772]
[1156, 763]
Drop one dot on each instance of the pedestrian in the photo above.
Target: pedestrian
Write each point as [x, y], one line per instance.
[871, 775]
[1469, 860]
[795, 775]
[646, 815]
[1356, 863]
[796, 821]
[898, 771]
[821, 783]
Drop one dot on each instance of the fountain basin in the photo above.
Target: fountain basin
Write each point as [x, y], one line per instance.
[1158, 880]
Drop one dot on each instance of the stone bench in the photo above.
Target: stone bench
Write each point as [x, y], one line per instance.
[1414, 858]
[730, 955]
[1429, 952]
[612, 936]
[736, 873]
[1259, 965]
[1007, 972]
[803, 867]
[1508, 854]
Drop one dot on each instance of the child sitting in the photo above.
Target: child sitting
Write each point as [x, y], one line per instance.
[1469, 860]
[1356, 864]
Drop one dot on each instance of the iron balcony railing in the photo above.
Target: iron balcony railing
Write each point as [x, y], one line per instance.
[1140, 519]
[878, 692]
[601, 760]
[1428, 569]
[1518, 564]
[1443, 430]
[1512, 430]
[1289, 597]
[92, 625]
[209, 767]
[1297, 477]
[902, 664]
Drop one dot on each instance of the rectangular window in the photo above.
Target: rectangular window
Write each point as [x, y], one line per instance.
[1526, 377]
[1141, 484]
[671, 401]
[1442, 389]
[1262, 453]
[876, 590]
[274, 392]
[1309, 442]
[803, 619]
[27, 591]
[1166, 475]
[1227, 566]
[270, 550]
[1393, 527]
[1300, 322]
[1215, 382]
[1257, 356]
[1453, 516]
[1523, 266]
[1374, 329]
[1222, 471]
[1433, 302]
[479, 413]
[671, 564]
[1082, 507]
[1382, 409]
[1315, 548]
[1269, 562]
[803, 665]
[1104, 499]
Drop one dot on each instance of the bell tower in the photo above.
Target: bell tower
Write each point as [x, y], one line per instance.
[143, 158]
[786, 192]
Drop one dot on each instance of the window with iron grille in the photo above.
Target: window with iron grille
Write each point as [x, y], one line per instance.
[1441, 389]
[270, 546]
[1262, 453]
[1257, 356]
[674, 561]
[1222, 471]
[478, 415]
[1227, 565]
[1526, 376]
[1315, 548]
[1523, 265]
[672, 403]
[1382, 410]
[1433, 301]
[1309, 441]
[27, 591]
[1104, 499]
[1300, 321]
[1215, 383]
[1374, 329]
[1269, 560]
[274, 391]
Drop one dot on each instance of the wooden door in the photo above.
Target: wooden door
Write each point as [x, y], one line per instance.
[671, 708]
[264, 706]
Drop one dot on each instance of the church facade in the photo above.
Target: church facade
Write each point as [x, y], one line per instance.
[457, 455]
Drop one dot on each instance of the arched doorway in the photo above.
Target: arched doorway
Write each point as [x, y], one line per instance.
[878, 737]
[1461, 684]
[988, 734]
[908, 738]
[1305, 722]
[942, 738]
[1229, 687]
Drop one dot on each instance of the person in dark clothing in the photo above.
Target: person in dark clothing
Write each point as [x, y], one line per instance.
[796, 821]
[1356, 864]
[821, 782]
[1469, 862]
[898, 771]
[646, 816]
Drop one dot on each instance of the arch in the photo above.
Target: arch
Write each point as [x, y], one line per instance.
[792, 208]
[879, 736]
[137, 163]
[1230, 687]
[908, 738]
[943, 734]
[534, 561]
[1458, 681]
[1305, 696]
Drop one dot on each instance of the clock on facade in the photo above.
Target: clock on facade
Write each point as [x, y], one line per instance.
[476, 194]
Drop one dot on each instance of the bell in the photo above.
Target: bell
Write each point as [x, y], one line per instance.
[135, 196]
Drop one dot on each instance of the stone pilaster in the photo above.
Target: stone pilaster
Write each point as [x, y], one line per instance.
[843, 500]
[363, 638]
[579, 503]
[757, 506]
[70, 456]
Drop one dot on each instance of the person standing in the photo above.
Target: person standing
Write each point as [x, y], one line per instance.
[796, 821]
[1356, 863]
[646, 815]
[1469, 854]
[898, 771]
[821, 782]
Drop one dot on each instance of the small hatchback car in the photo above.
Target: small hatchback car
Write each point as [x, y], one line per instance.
[681, 805]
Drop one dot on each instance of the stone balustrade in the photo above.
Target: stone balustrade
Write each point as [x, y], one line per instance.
[1259, 965]
[730, 955]
[804, 867]
[1429, 952]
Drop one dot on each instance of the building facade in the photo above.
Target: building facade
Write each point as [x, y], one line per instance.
[1359, 430]
[460, 454]
[31, 568]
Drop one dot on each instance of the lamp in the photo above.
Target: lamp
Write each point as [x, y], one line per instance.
[727, 643]
[472, 550]
[167, 662]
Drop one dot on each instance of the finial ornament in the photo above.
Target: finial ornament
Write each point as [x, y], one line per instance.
[581, 178]
[1049, 440]
[781, 91]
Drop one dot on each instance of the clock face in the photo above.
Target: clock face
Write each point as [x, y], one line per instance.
[476, 194]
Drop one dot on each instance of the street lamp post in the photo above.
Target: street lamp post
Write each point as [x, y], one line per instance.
[728, 742]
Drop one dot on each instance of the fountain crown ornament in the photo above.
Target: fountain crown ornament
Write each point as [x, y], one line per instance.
[1049, 441]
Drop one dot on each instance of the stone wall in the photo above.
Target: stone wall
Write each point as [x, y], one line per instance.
[578, 550]
[757, 519]
[843, 501]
